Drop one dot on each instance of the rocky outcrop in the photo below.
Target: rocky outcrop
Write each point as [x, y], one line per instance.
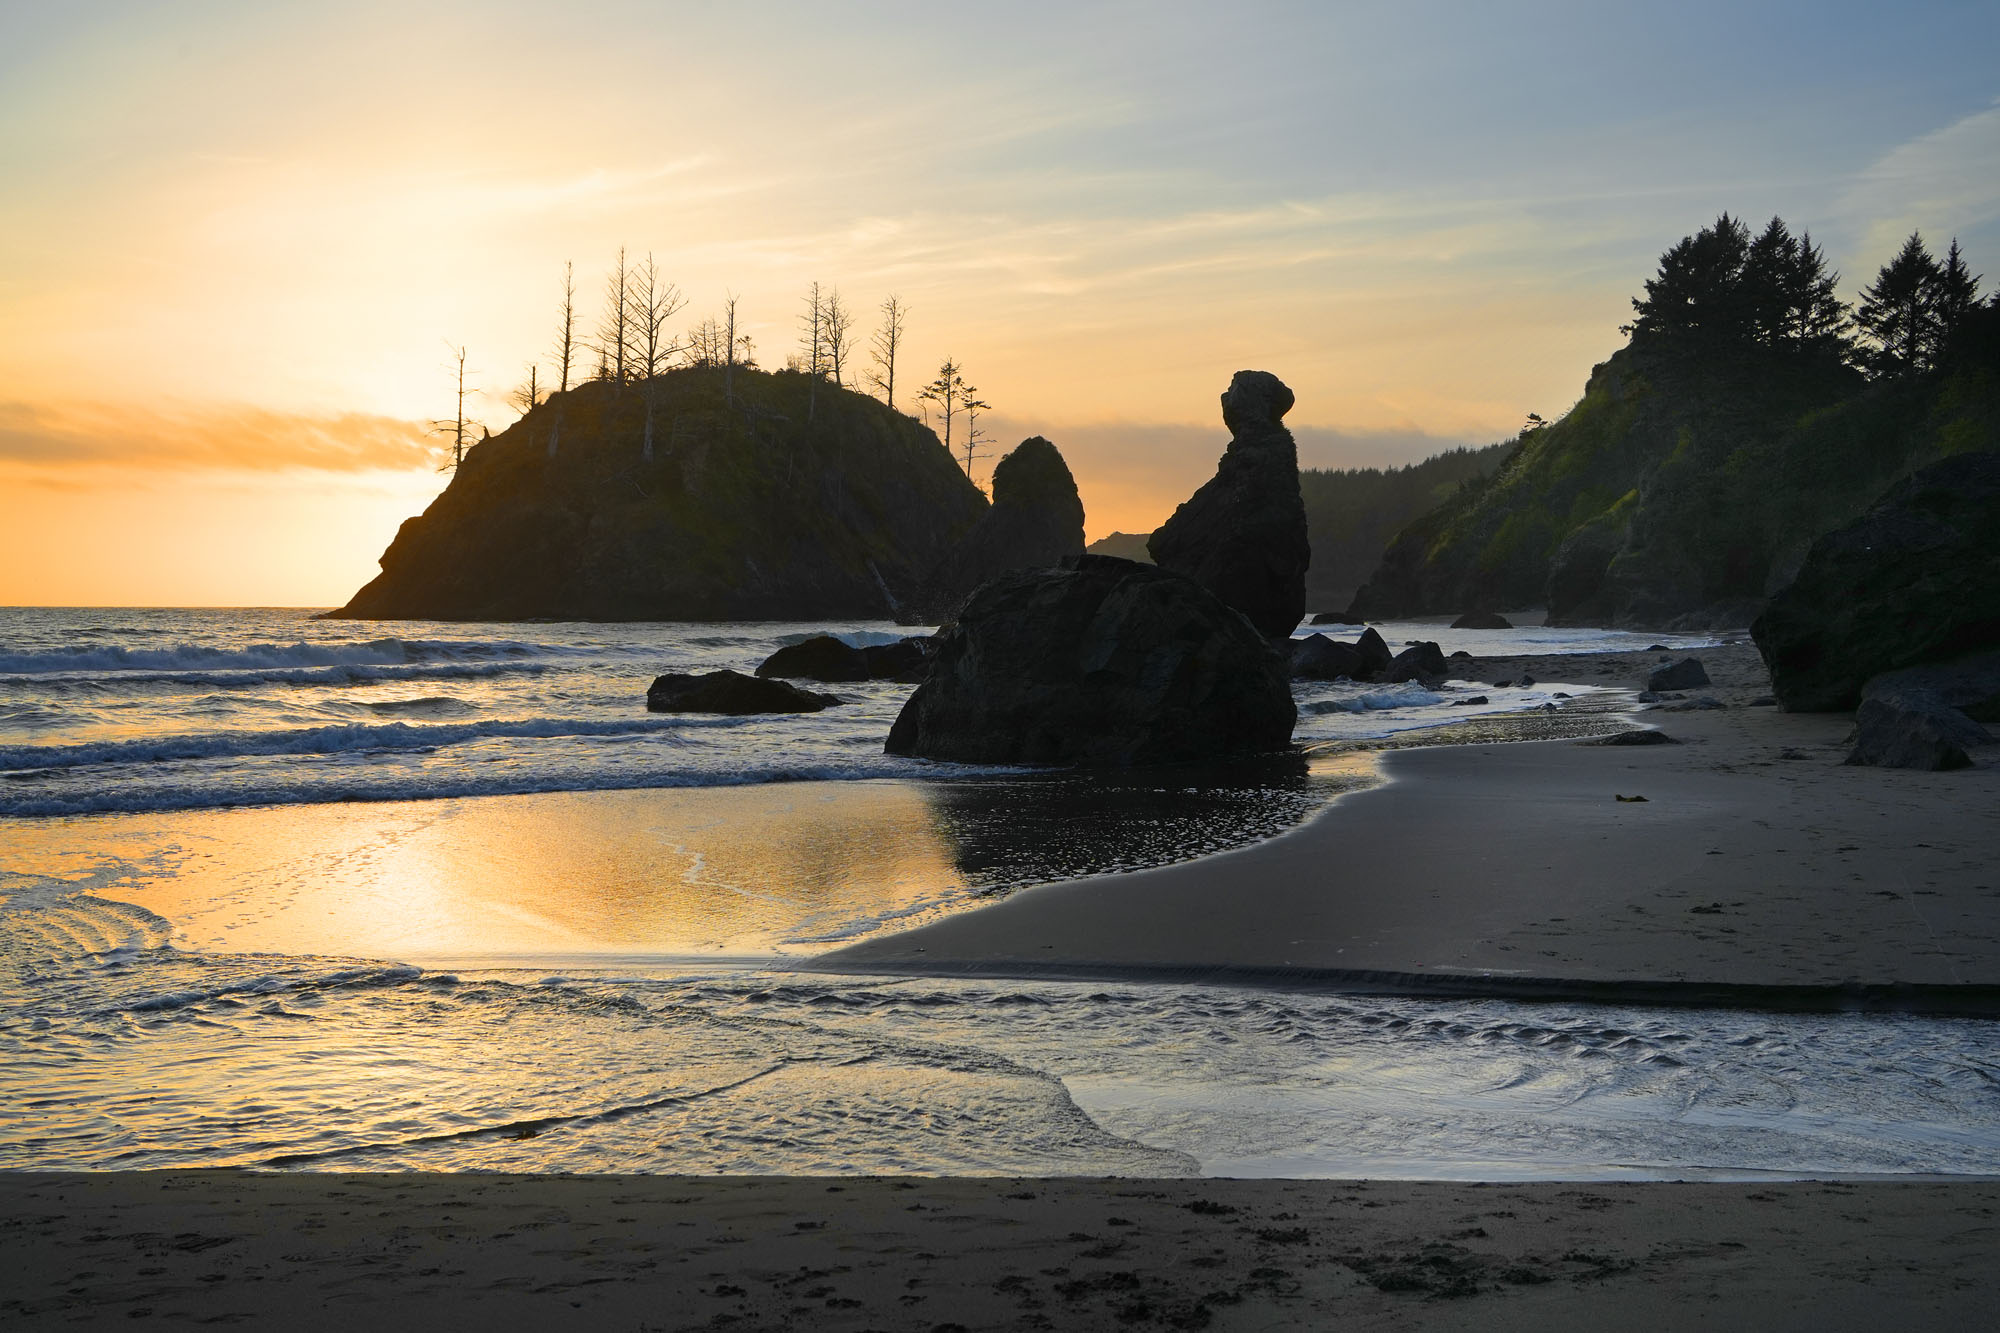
[1337, 618]
[824, 657]
[1420, 661]
[1316, 657]
[748, 510]
[1686, 674]
[1913, 728]
[730, 692]
[1375, 654]
[1103, 662]
[1482, 620]
[1970, 684]
[821, 657]
[1243, 534]
[1914, 581]
[1036, 522]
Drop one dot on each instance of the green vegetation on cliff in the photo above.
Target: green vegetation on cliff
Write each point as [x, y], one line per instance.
[756, 505]
[1351, 513]
[1704, 457]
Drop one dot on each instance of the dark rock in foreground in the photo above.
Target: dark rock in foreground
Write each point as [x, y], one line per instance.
[730, 692]
[1686, 674]
[1482, 620]
[1969, 684]
[1036, 522]
[1316, 657]
[1420, 661]
[905, 659]
[1243, 534]
[1105, 662]
[1914, 581]
[1913, 729]
[1375, 654]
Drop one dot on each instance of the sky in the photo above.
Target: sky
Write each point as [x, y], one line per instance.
[238, 239]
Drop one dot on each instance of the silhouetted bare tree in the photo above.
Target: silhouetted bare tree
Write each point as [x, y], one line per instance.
[837, 325]
[456, 425]
[885, 343]
[812, 345]
[614, 326]
[527, 396]
[653, 302]
[565, 350]
[707, 344]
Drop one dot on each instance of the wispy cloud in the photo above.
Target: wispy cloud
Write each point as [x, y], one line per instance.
[1943, 182]
[241, 439]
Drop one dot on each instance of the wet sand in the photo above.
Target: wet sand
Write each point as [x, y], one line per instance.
[1758, 869]
[660, 1253]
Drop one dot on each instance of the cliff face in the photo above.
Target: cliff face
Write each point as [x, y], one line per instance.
[1036, 521]
[1677, 493]
[748, 511]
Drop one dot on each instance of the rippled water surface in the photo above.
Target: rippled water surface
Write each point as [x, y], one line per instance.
[316, 895]
[122, 1051]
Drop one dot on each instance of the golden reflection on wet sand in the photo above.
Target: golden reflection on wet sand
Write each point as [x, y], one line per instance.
[723, 871]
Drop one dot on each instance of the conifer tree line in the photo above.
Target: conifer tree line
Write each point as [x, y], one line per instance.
[1722, 289]
[632, 345]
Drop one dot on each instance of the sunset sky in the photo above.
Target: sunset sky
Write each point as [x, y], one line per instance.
[235, 239]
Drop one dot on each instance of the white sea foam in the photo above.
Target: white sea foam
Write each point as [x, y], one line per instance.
[270, 656]
[351, 738]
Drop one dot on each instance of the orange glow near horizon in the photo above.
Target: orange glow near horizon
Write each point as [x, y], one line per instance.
[236, 239]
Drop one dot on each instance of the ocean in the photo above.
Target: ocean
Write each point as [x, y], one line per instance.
[298, 894]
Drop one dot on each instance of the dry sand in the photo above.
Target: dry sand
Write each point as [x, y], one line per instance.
[1757, 868]
[621, 1253]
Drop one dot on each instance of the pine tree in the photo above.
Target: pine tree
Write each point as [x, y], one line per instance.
[1768, 268]
[1818, 317]
[1900, 311]
[1697, 301]
[1958, 296]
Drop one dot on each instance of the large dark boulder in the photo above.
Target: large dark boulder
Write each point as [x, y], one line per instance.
[1970, 684]
[1686, 674]
[1036, 522]
[1482, 620]
[730, 692]
[1913, 728]
[1316, 657]
[821, 657]
[1243, 534]
[1106, 662]
[1420, 661]
[1375, 654]
[1914, 581]
[905, 659]
[1337, 618]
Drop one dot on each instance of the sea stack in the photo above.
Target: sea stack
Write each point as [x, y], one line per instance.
[1913, 582]
[1103, 662]
[1243, 534]
[1036, 522]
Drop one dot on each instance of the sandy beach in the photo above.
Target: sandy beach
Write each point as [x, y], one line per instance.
[1758, 869]
[659, 1253]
